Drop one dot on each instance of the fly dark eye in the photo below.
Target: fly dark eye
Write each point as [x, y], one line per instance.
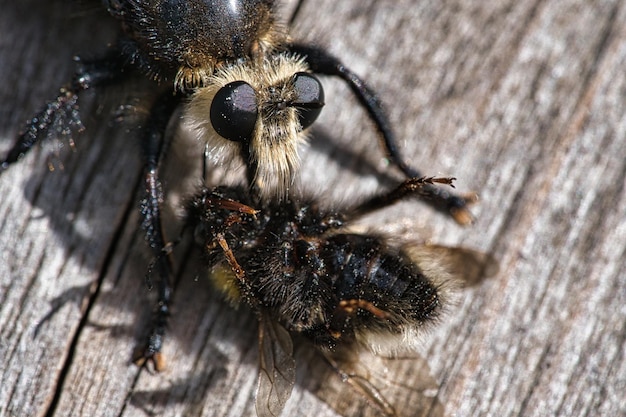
[234, 111]
[310, 98]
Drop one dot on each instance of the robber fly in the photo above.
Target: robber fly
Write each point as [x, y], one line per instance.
[305, 273]
[248, 91]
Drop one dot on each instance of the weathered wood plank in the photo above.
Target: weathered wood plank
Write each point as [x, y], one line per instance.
[57, 227]
[523, 102]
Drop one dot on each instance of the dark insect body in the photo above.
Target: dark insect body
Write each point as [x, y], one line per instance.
[314, 278]
[249, 92]
[304, 272]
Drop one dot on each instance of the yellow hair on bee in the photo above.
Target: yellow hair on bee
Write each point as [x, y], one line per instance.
[224, 280]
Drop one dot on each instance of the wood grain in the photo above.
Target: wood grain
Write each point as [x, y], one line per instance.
[523, 102]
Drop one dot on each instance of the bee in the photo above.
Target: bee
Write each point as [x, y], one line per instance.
[247, 89]
[305, 273]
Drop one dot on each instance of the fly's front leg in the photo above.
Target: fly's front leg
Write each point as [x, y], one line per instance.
[321, 62]
[424, 187]
[153, 146]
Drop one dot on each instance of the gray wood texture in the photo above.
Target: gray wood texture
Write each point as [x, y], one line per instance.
[523, 102]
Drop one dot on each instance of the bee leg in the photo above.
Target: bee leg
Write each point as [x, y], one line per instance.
[239, 272]
[61, 116]
[212, 203]
[154, 145]
[351, 307]
[321, 62]
[425, 188]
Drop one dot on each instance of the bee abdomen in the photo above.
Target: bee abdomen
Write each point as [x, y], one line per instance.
[391, 290]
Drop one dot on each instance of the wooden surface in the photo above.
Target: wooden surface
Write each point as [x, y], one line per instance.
[524, 102]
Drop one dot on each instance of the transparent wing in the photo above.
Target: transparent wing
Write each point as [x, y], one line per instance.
[466, 266]
[277, 373]
[370, 385]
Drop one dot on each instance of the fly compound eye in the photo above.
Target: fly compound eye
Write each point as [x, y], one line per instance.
[234, 111]
[310, 98]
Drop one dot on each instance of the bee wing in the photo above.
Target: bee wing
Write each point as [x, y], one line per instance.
[277, 373]
[398, 387]
[466, 266]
